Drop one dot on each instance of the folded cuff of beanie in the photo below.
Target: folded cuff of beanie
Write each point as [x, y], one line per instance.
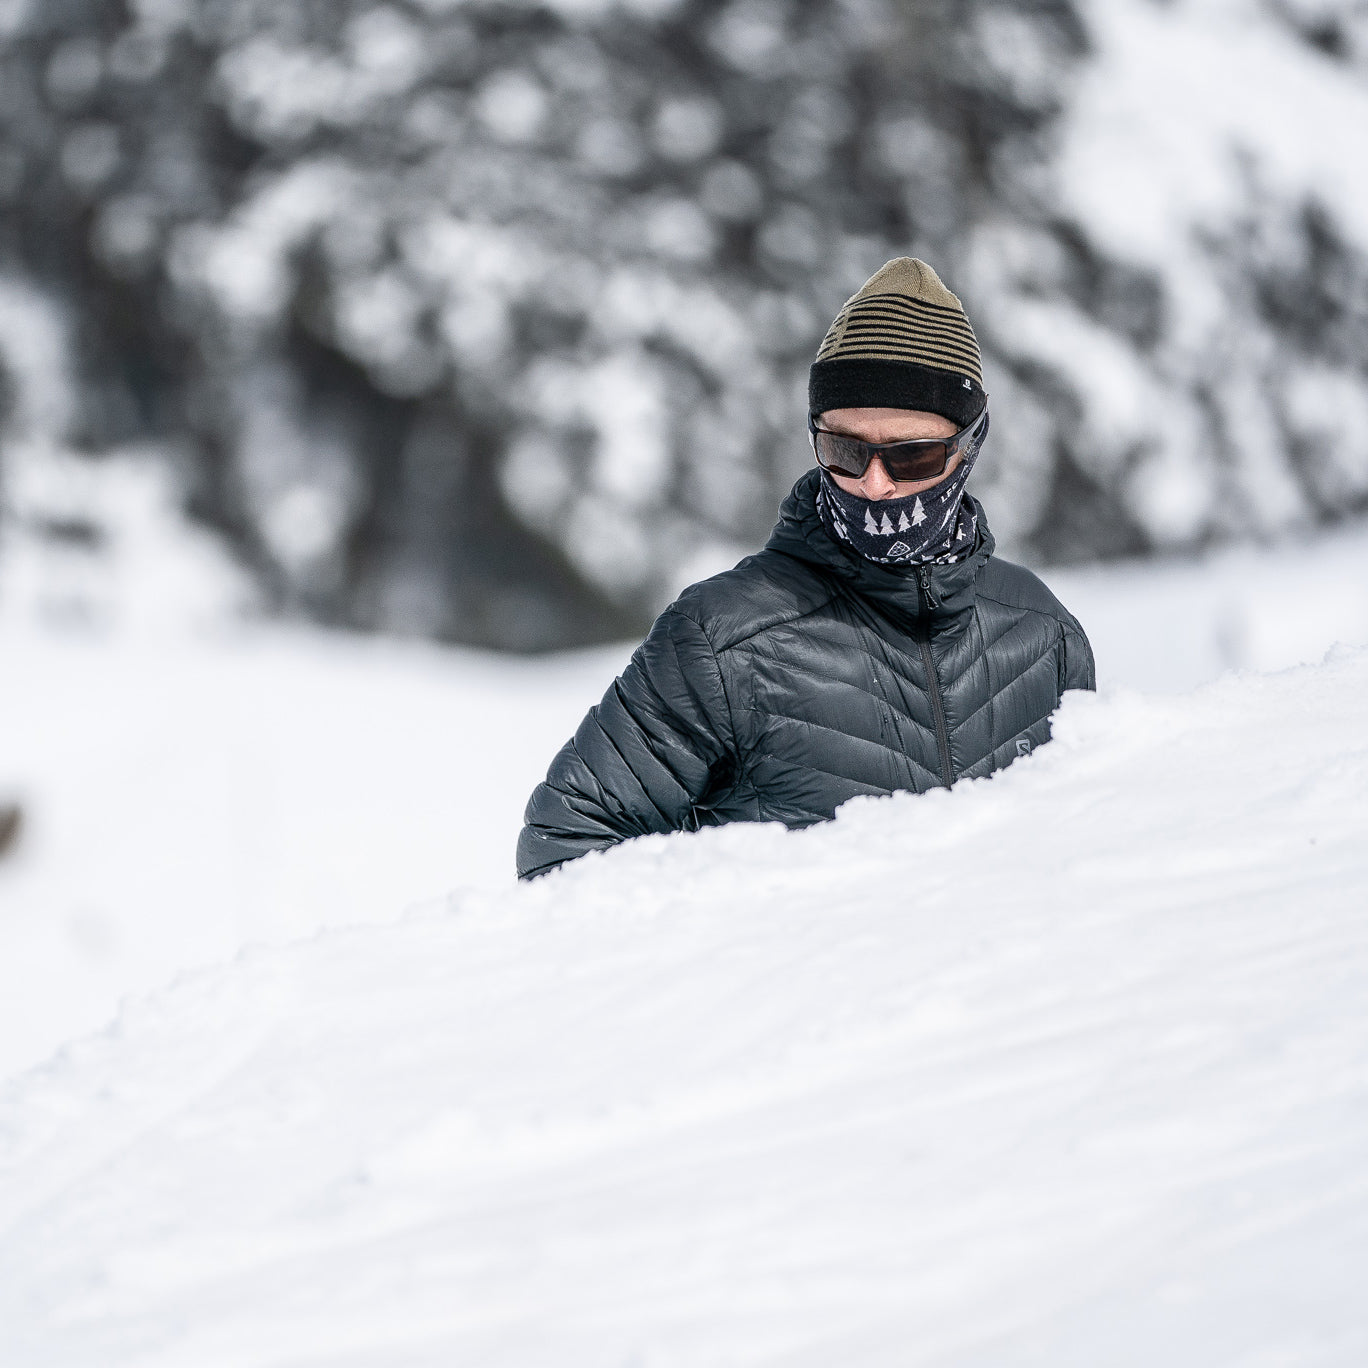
[858, 382]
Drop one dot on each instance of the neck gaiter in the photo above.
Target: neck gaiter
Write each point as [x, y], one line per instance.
[939, 524]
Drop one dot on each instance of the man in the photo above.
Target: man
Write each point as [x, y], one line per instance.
[875, 645]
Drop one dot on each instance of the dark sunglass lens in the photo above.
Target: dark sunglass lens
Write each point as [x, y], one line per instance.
[844, 455]
[924, 461]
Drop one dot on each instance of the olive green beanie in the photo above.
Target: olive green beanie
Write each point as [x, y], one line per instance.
[901, 341]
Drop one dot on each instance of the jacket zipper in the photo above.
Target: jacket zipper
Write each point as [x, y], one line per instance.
[933, 680]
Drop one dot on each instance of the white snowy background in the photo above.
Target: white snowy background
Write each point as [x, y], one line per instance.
[1066, 1067]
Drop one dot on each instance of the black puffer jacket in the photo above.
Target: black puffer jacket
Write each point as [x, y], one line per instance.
[803, 677]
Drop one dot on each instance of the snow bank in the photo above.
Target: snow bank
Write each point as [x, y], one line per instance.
[1065, 1067]
[187, 793]
[1169, 625]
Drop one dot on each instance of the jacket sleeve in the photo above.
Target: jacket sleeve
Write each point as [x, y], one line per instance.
[641, 759]
[1078, 670]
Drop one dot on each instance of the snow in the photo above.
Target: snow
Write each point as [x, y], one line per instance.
[1063, 1067]
[1169, 626]
[189, 789]
[186, 796]
[1189, 102]
[1201, 146]
[1068, 1066]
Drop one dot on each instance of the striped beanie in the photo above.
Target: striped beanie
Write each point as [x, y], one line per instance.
[902, 341]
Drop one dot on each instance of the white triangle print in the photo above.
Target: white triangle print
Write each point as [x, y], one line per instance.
[918, 513]
[870, 524]
[903, 524]
[887, 527]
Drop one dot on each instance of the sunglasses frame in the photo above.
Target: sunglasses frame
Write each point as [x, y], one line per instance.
[956, 442]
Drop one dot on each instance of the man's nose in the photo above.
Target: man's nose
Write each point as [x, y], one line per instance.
[874, 483]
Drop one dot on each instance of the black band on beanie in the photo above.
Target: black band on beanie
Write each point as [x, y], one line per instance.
[857, 382]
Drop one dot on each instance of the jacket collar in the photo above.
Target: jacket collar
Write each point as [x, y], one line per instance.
[894, 590]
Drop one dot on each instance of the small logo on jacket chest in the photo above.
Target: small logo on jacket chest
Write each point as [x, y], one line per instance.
[1023, 746]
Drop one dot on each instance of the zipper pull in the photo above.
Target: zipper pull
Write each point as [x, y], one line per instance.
[924, 579]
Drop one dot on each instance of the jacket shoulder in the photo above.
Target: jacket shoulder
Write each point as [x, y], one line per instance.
[1014, 586]
[763, 591]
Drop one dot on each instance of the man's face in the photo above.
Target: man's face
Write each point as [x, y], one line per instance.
[887, 425]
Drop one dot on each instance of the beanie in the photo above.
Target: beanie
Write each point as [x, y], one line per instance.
[902, 341]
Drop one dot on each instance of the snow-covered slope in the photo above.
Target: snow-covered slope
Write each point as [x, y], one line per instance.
[1069, 1067]
[186, 794]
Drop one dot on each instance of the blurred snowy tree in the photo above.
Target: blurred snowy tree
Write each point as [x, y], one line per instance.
[491, 318]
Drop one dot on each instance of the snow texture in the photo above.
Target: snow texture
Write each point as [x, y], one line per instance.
[1068, 1066]
[1063, 1067]
[184, 797]
[277, 782]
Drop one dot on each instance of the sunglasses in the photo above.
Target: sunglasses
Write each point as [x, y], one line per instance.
[919, 459]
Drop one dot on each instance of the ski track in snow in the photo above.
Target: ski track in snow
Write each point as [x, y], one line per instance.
[1066, 1067]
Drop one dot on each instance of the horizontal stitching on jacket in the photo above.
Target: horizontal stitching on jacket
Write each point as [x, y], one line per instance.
[863, 784]
[850, 779]
[993, 697]
[945, 683]
[1019, 607]
[867, 693]
[910, 655]
[721, 681]
[627, 764]
[764, 627]
[835, 731]
[988, 644]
